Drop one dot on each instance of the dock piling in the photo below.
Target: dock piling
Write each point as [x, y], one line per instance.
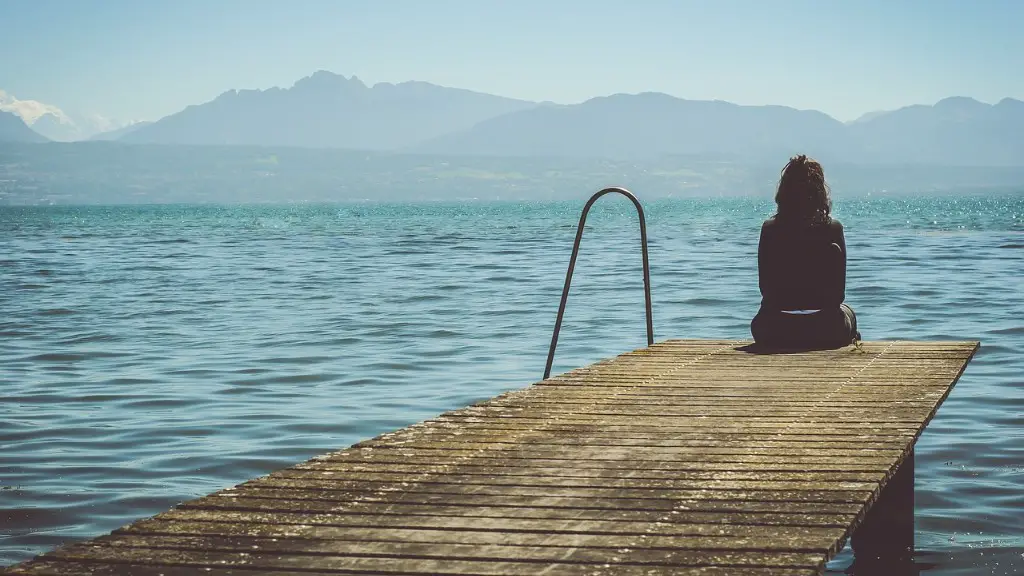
[886, 536]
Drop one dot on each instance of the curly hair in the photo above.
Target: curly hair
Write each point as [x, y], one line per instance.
[803, 195]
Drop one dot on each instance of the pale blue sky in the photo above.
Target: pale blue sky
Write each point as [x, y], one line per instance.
[142, 59]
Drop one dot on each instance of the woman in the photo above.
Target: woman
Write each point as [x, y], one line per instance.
[801, 263]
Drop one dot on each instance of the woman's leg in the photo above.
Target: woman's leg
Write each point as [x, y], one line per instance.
[851, 322]
[777, 330]
[834, 328]
[826, 329]
[758, 329]
[767, 328]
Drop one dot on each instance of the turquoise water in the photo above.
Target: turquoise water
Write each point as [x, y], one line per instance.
[153, 354]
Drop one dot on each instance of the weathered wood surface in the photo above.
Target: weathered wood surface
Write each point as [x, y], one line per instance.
[688, 457]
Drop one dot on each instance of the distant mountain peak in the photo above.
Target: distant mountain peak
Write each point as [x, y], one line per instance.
[869, 116]
[30, 110]
[325, 80]
[119, 132]
[960, 103]
[14, 129]
[54, 123]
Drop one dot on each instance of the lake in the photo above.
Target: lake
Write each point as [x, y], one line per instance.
[152, 354]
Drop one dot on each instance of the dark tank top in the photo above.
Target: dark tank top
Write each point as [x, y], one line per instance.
[801, 267]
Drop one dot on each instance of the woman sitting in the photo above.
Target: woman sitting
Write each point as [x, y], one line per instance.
[801, 263]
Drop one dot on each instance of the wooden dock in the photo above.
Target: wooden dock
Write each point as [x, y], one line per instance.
[688, 457]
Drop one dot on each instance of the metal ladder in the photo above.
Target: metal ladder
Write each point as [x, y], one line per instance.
[572, 265]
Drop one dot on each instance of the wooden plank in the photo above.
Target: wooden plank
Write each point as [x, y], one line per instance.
[557, 475]
[356, 479]
[687, 457]
[265, 507]
[44, 567]
[421, 558]
[401, 471]
[426, 464]
[368, 511]
[787, 540]
[344, 554]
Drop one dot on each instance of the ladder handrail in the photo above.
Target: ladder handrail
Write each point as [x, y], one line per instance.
[572, 265]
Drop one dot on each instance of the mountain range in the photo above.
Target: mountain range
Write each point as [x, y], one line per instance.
[327, 110]
[955, 131]
[651, 125]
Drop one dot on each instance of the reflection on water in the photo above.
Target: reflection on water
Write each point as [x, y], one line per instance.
[153, 354]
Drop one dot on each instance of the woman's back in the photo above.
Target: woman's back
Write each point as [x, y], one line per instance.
[801, 267]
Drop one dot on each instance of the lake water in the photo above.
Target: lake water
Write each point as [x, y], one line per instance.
[150, 355]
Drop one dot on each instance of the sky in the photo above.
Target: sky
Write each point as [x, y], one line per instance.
[141, 60]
